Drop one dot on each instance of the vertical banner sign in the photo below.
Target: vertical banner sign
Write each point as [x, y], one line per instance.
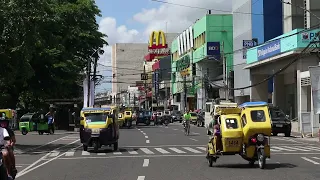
[315, 86]
[246, 44]
[156, 82]
[213, 50]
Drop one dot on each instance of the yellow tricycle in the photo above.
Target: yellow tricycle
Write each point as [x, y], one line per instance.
[245, 130]
[121, 120]
[128, 118]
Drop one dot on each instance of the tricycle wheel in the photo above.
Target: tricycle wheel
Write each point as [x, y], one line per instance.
[85, 148]
[24, 132]
[147, 122]
[251, 163]
[40, 132]
[202, 124]
[95, 145]
[198, 124]
[261, 159]
[210, 161]
[115, 146]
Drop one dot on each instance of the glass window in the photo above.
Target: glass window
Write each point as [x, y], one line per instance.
[258, 116]
[128, 113]
[24, 119]
[277, 113]
[120, 115]
[96, 117]
[231, 123]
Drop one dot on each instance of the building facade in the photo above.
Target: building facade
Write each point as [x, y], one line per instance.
[197, 58]
[250, 29]
[126, 62]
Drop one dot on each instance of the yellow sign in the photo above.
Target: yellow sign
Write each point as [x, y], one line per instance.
[185, 72]
[155, 35]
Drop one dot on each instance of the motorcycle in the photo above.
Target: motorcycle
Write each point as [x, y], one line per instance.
[186, 127]
[3, 171]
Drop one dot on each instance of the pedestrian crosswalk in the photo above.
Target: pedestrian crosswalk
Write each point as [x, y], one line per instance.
[171, 151]
[313, 160]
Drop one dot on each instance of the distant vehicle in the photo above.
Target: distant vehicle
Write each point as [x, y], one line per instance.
[200, 120]
[194, 118]
[176, 116]
[280, 122]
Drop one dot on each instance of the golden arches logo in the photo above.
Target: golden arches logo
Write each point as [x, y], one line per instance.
[155, 35]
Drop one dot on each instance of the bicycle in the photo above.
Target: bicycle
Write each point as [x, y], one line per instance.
[187, 128]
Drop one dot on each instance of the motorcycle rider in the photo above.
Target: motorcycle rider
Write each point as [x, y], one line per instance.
[214, 127]
[7, 140]
[51, 118]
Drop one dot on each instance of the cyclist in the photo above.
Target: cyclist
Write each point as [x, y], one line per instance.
[187, 118]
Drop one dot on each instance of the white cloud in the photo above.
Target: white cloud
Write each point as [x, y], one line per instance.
[178, 18]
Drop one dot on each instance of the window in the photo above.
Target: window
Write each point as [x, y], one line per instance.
[231, 123]
[96, 117]
[120, 115]
[258, 116]
[193, 114]
[128, 113]
[277, 113]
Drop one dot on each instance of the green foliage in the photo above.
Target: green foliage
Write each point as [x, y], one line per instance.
[44, 47]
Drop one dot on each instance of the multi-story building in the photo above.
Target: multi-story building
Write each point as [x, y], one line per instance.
[197, 57]
[254, 22]
[126, 60]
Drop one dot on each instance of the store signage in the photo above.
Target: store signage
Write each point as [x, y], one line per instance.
[144, 76]
[269, 50]
[156, 82]
[154, 41]
[246, 44]
[308, 36]
[213, 50]
[185, 41]
[183, 63]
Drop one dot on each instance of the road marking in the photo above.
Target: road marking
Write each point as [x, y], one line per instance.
[311, 148]
[295, 148]
[146, 150]
[32, 149]
[70, 153]
[146, 137]
[202, 148]
[117, 152]
[147, 141]
[54, 154]
[131, 151]
[166, 127]
[141, 177]
[175, 129]
[192, 150]
[193, 139]
[177, 150]
[139, 129]
[162, 150]
[85, 153]
[101, 154]
[315, 158]
[282, 149]
[145, 163]
[31, 168]
[309, 160]
[144, 133]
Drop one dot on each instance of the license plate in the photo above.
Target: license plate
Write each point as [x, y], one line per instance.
[279, 125]
[233, 142]
[95, 130]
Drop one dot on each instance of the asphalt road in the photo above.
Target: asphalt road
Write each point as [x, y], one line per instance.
[157, 153]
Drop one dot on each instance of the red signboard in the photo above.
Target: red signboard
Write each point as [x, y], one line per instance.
[156, 66]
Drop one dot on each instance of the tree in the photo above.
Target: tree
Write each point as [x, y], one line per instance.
[44, 48]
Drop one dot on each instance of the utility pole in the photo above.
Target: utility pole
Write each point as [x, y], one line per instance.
[185, 92]
[224, 61]
[145, 88]
[88, 81]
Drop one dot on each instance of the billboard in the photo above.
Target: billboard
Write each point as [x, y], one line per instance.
[213, 50]
[154, 41]
[269, 50]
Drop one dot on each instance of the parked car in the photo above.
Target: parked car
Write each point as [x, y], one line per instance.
[176, 116]
[280, 121]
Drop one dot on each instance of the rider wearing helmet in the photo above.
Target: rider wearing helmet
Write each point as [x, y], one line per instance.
[7, 141]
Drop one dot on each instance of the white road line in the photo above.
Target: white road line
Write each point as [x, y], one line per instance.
[147, 141]
[146, 137]
[193, 139]
[175, 129]
[312, 148]
[162, 150]
[54, 154]
[139, 129]
[272, 149]
[282, 149]
[309, 160]
[141, 177]
[101, 154]
[145, 163]
[146, 150]
[70, 153]
[166, 127]
[85, 153]
[144, 133]
[202, 148]
[295, 148]
[192, 150]
[32, 149]
[117, 152]
[177, 150]
[315, 158]
[131, 151]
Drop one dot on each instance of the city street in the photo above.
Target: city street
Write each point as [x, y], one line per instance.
[157, 153]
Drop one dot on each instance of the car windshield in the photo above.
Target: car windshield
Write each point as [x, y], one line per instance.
[96, 117]
[258, 116]
[128, 113]
[24, 119]
[167, 112]
[277, 113]
[177, 112]
[147, 113]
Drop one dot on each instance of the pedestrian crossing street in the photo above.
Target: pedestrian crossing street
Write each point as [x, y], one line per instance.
[183, 150]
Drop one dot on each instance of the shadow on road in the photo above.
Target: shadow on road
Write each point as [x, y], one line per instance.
[110, 150]
[269, 166]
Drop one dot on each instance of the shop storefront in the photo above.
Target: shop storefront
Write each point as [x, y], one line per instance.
[266, 59]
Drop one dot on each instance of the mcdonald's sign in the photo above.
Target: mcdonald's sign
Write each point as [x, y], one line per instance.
[154, 41]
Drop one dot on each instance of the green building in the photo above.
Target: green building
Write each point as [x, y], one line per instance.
[197, 54]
